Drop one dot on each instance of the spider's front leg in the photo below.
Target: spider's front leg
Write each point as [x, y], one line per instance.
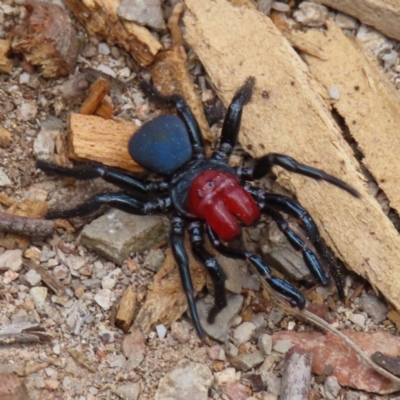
[264, 165]
[295, 298]
[122, 201]
[112, 175]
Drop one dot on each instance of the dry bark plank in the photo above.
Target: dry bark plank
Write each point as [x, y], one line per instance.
[368, 102]
[99, 17]
[288, 115]
[102, 140]
[384, 15]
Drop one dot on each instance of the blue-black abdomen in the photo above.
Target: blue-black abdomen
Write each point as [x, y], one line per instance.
[161, 145]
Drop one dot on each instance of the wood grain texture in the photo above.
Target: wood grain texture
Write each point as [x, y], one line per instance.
[288, 114]
[102, 140]
[384, 15]
[368, 102]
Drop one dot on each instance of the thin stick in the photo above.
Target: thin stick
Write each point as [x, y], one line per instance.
[25, 226]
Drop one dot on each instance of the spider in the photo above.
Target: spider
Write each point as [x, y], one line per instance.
[205, 195]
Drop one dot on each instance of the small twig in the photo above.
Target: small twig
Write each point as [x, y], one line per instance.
[25, 226]
[310, 317]
[23, 332]
[173, 25]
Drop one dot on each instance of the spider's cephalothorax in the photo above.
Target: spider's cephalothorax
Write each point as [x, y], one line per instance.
[205, 194]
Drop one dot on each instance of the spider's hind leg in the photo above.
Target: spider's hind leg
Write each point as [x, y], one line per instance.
[296, 210]
[290, 293]
[215, 271]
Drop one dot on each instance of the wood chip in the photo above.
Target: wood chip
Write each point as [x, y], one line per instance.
[100, 19]
[384, 15]
[97, 139]
[97, 91]
[82, 360]
[166, 300]
[5, 135]
[127, 309]
[5, 62]
[288, 115]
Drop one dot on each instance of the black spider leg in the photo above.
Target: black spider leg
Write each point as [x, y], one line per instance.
[296, 210]
[184, 112]
[232, 120]
[178, 248]
[113, 175]
[294, 297]
[121, 201]
[264, 165]
[298, 244]
[217, 274]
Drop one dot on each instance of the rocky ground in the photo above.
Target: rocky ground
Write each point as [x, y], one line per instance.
[88, 357]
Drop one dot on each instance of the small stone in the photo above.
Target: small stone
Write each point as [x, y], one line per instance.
[103, 299]
[134, 348]
[51, 384]
[235, 271]
[357, 319]
[26, 111]
[311, 14]
[144, 12]
[32, 278]
[117, 361]
[11, 259]
[10, 276]
[180, 332]
[128, 391]
[103, 49]
[39, 295]
[106, 336]
[243, 333]
[264, 6]
[228, 375]
[247, 361]
[334, 93]
[282, 346]
[57, 349]
[219, 329]
[161, 331]
[60, 272]
[332, 387]
[276, 315]
[236, 391]
[154, 260]
[281, 7]
[106, 70]
[89, 51]
[216, 353]
[110, 280]
[344, 21]
[374, 307]
[4, 179]
[264, 344]
[116, 234]
[252, 282]
[187, 380]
